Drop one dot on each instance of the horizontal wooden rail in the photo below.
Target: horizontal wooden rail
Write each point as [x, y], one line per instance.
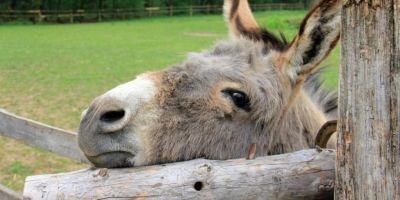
[40, 135]
[8, 194]
[307, 174]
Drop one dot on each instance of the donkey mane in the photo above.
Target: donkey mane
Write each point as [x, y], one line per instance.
[325, 98]
[271, 41]
[313, 86]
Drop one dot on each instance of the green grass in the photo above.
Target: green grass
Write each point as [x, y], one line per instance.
[50, 73]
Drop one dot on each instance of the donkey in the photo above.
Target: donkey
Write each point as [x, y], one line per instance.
[253, 88]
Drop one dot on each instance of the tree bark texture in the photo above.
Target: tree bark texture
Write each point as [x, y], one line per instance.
[368, 158]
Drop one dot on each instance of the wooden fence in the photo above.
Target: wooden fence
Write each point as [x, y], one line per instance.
[39, 135]
[8, 194]
[368, 150]
[73, 16]
[307, 174]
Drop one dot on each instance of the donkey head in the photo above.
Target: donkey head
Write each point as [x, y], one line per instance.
[250, 89]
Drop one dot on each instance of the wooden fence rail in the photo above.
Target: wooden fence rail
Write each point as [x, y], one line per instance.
[306, 174]
[8, 194]
[40, 135]
[72, 16]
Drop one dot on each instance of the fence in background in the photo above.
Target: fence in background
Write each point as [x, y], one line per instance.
[74, 16]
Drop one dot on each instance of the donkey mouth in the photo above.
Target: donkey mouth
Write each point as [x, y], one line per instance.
[114, 159]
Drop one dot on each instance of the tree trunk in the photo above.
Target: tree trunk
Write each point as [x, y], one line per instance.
[82, 6]
[13, 5]
[368, 158]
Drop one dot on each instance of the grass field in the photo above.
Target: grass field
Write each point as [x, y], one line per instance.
[50, 73]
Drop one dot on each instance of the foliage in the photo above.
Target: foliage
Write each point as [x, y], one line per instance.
[113, 4]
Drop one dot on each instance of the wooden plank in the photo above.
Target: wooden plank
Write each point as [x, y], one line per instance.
[306, 174]
[9, 194]
[36, 134]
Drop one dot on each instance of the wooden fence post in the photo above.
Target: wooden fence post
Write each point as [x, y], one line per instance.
[171, 10]
[368, 157]
[72, 15]
[99, 15]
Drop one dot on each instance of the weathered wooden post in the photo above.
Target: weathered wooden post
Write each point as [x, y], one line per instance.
[368, 158]
[71, 17]
[99, 15]
[171, 10]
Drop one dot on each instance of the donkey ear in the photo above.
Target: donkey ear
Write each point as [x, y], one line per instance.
[241, 23]
[318, 35]
[240, 19]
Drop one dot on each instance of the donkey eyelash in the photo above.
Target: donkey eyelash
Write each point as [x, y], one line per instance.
[239, 98]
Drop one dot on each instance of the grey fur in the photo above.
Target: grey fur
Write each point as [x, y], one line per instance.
[192, 127]
[192, 117]
[326, 99]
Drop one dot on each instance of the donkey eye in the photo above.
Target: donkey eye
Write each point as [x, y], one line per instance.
[240, 99]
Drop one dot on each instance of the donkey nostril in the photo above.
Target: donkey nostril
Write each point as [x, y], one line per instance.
[112, 116]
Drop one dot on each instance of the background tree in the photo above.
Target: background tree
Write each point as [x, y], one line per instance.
[115, 4]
